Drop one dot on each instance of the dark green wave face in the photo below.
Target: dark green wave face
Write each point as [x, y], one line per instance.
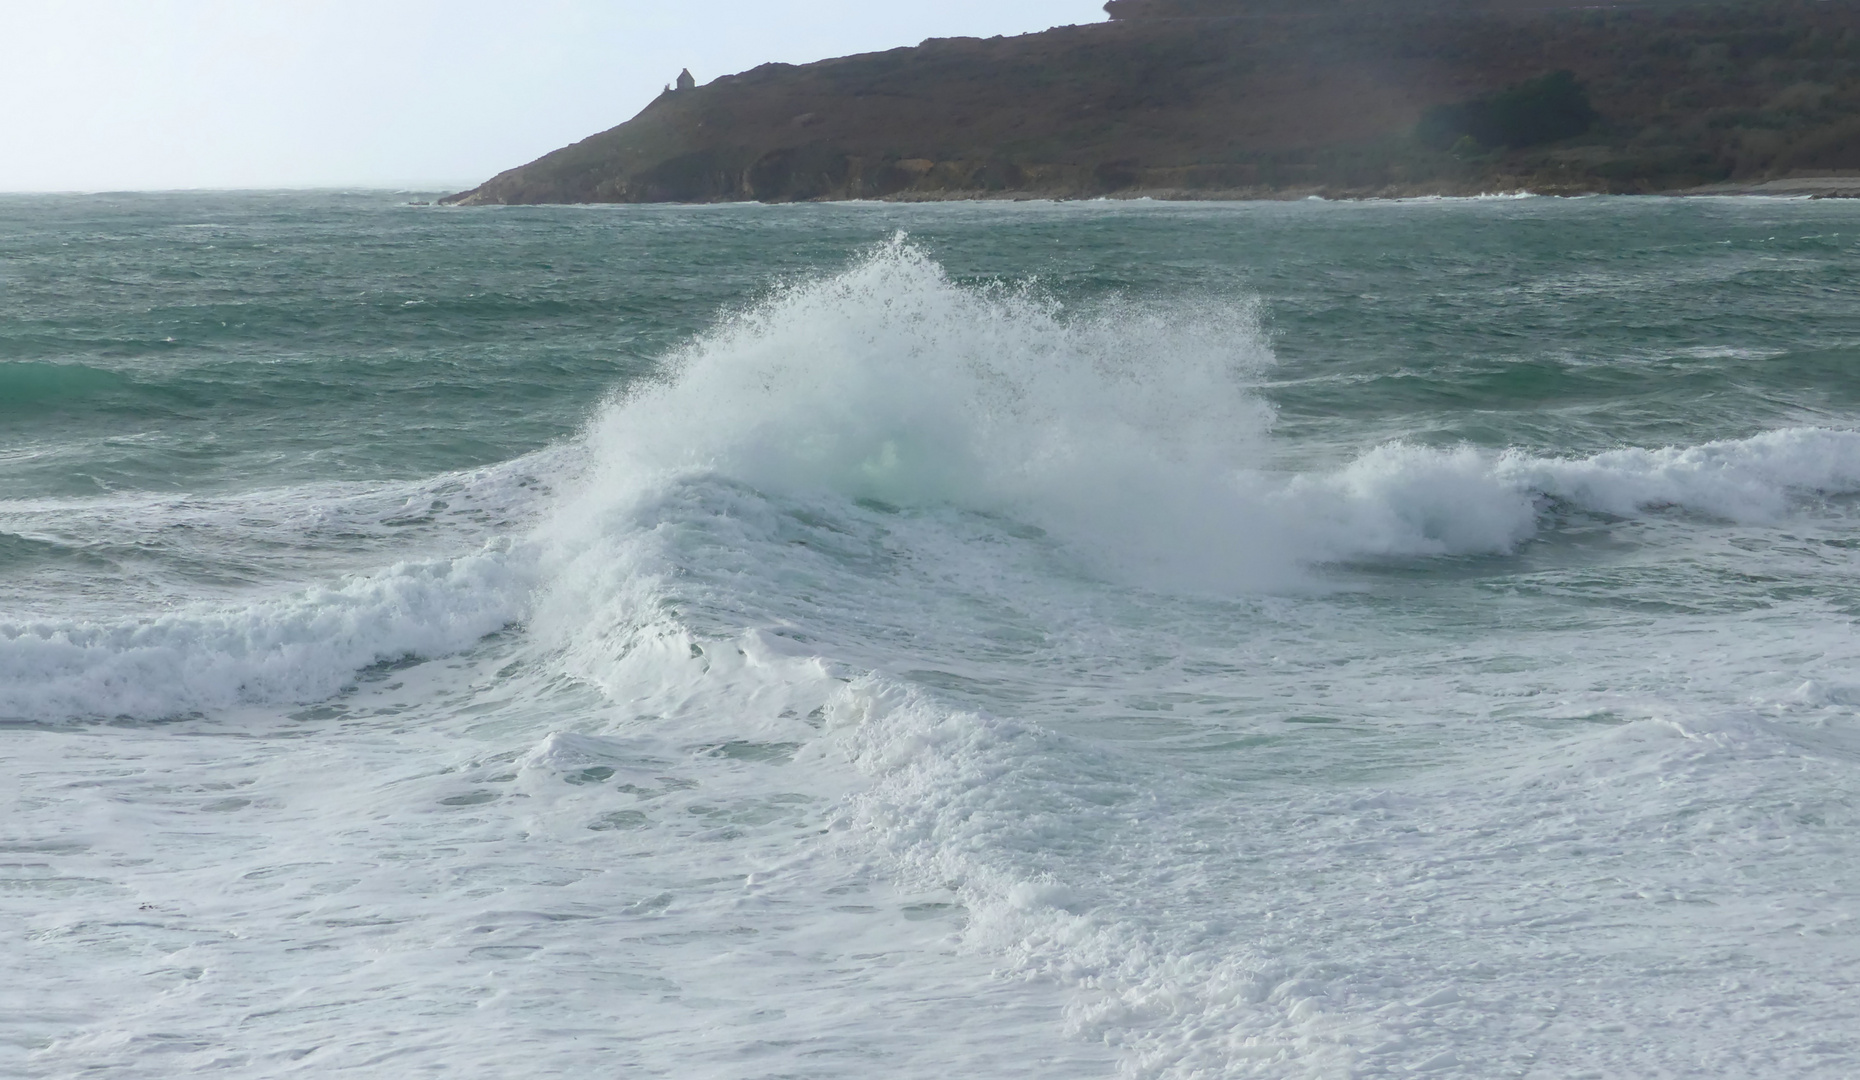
[28, 387]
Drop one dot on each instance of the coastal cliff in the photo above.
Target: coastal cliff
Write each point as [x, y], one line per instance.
[1260, 98]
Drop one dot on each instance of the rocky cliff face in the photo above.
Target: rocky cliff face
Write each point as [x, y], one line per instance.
[1205, 98]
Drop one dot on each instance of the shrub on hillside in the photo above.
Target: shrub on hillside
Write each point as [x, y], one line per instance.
[1540, 110]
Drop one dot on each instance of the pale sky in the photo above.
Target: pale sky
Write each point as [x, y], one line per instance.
[154, 94]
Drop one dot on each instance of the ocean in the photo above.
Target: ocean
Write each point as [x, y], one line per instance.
[1033, 640]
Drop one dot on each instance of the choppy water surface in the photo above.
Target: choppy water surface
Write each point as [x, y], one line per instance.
[1278, 640]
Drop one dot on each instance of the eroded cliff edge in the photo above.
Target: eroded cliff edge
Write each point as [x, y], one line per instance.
[1252, 98]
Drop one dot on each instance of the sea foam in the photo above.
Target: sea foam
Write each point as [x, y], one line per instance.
[296, 648]
[1404, 500]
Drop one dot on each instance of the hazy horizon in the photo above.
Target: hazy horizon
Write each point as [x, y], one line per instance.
[173, 95]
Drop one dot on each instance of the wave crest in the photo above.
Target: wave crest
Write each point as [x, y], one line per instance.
[298, 648]
[1403, 500]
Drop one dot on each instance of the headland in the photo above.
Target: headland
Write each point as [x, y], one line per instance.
[1223, 99]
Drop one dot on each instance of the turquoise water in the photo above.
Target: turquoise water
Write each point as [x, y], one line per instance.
[451, 341]
[1170, 640]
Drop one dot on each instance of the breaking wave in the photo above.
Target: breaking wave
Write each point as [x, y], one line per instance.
[1131, 433]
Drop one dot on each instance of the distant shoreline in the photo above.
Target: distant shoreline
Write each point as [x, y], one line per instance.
[1815, 187]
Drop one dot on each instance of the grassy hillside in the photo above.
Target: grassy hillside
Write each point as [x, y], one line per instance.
[1198, 98]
